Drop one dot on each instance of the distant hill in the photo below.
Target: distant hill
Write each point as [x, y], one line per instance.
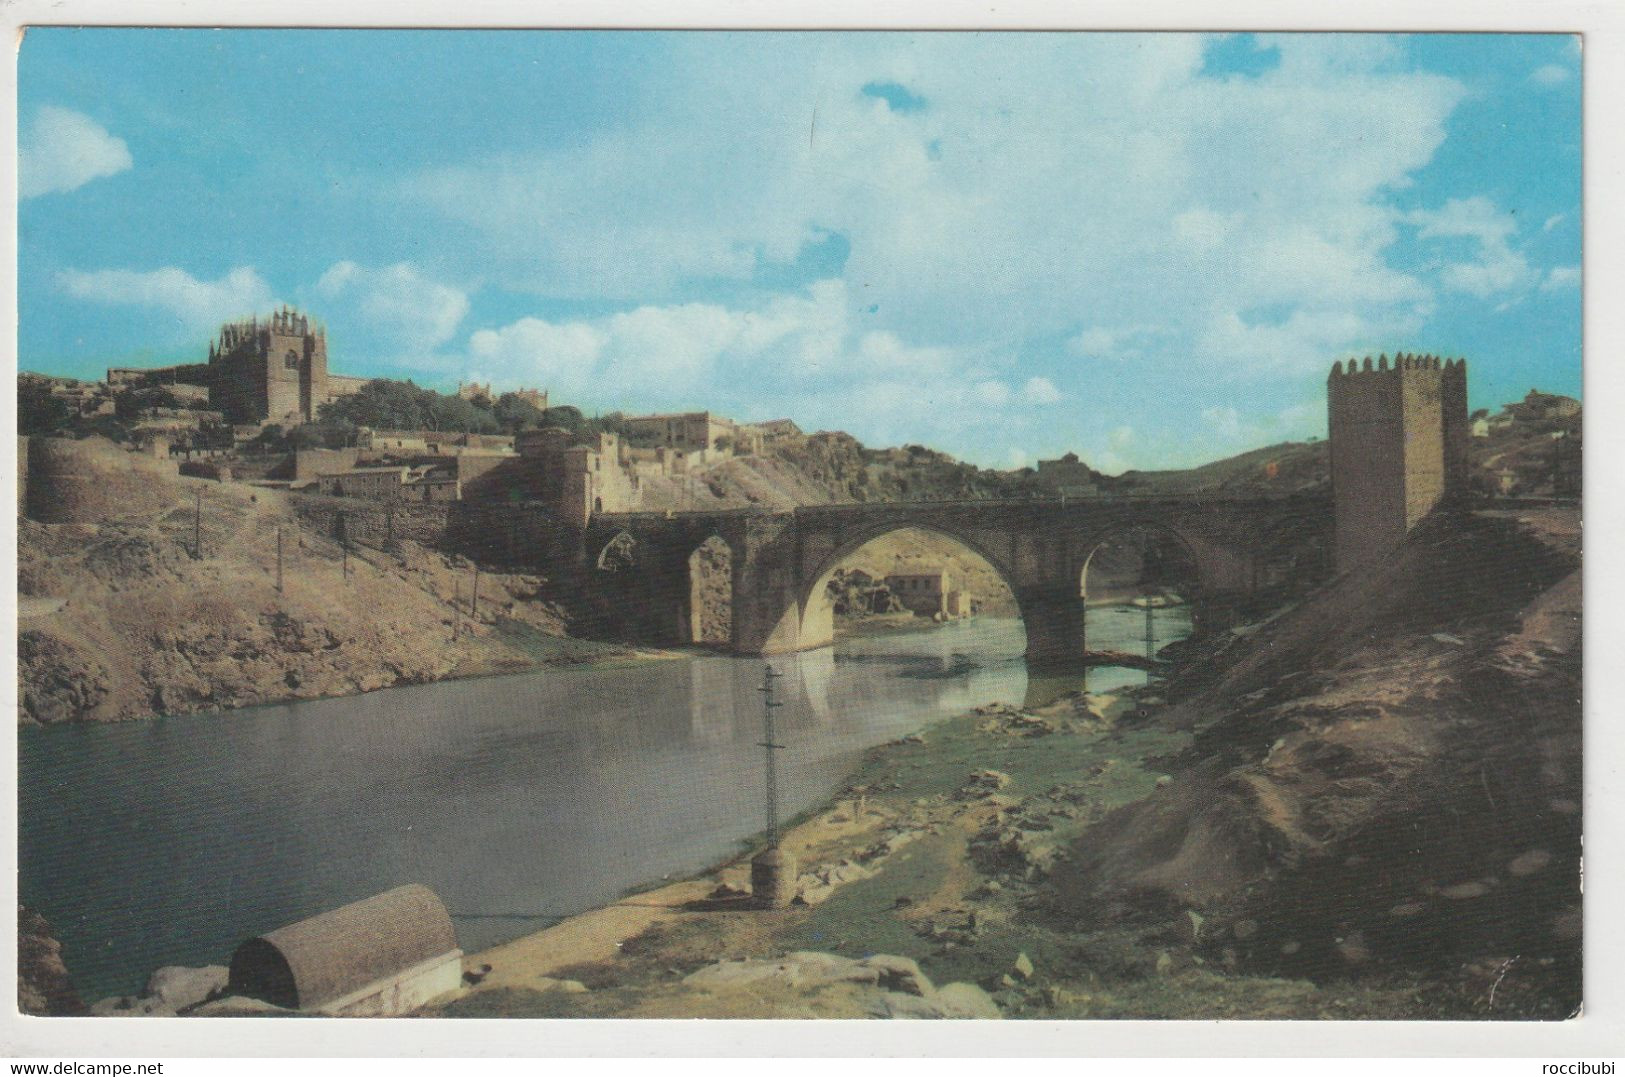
[1284, 468]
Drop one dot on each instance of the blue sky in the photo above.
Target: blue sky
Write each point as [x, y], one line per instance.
[1147, 249]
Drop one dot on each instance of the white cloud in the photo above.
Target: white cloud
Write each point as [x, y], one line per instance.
[396, 302]
[1550, 75]
[875, 384]
[1096, 342]
[1019, 191]
[1560, 277]
[1498, 268]
[1226, 423]
[195, 304]
[692, 348]
[532, 351]
[1553, 221]
[1040, 391]
[62, 150]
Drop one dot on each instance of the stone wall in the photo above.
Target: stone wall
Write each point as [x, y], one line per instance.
[375, 523]
[93, 480]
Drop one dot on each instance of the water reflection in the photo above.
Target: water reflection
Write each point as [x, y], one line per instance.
[167, 842]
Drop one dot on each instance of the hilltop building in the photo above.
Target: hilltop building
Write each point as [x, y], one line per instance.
[1068, 476]
[1398, 440]
[258, 371]
[693, 431]
[536, 398]
[1540, 407]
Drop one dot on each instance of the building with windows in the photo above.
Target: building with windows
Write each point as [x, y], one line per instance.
[924, 592]
[273, 370]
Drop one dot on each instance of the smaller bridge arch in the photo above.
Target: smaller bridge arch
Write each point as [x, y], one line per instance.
[708, 612]
[1098, 541]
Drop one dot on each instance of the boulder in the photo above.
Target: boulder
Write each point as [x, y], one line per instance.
[1529, 863]
[177, 988]
[569, 987]
[1465, 891]
[801, 970]
[963, 1000]
[900, 974]
[983, 783]
[1023, 967]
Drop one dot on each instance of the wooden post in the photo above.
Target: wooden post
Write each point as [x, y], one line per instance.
[474, 603]
[279, 560]
[197, 523]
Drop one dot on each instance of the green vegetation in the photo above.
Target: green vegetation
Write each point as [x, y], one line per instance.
[402, 405]
[42, 413]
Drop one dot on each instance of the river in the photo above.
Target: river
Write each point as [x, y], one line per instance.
[518, 799]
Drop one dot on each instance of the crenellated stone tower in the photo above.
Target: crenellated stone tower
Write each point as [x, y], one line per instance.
[1398, 438]
[272, 370]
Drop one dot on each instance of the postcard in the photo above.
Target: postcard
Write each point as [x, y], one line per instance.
[799, 524]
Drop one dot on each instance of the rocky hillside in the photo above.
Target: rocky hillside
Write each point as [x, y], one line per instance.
[827, 468]
[118, 620]
[1386, 777]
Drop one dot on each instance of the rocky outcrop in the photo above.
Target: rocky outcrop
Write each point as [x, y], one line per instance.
[881, 985]
[61, 680]
[44, 988]
[170, 992]
[129, 624]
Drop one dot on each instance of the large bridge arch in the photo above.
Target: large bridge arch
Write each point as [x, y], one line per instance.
[815, 614]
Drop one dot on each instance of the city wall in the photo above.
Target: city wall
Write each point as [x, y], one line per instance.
[89, 481]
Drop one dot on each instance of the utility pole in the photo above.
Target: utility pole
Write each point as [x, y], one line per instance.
[773, 871]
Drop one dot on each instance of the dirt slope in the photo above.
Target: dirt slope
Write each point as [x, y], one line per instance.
[130, 624]
[1386, 776]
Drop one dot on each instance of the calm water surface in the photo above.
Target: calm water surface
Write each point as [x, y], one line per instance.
[515, 798]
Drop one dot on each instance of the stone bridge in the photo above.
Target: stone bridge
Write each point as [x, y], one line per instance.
[782, 560]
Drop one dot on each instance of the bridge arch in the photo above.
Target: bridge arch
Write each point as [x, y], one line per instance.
[1099, 539]
[815, 613]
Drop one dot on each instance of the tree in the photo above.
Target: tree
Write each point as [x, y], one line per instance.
[134, 403]
[213, 435]
[565, 417]
[401, 405]
[515, 413]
